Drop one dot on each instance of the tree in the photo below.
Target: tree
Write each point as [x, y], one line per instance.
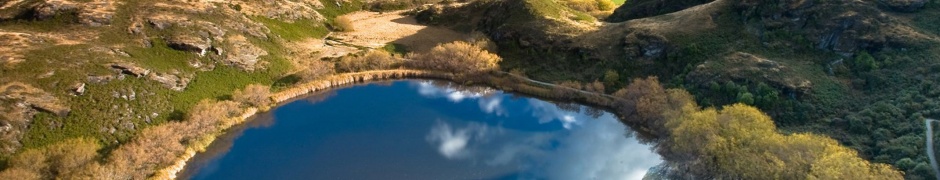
[865, 62]
[740, 142]
[255, 95]
[643, 101]
[611, 79]
[456, 57]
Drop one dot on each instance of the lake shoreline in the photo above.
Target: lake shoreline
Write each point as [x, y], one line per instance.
[498, 80]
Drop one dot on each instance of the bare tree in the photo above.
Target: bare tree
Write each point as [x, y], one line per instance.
[316, 69]
[255, 95]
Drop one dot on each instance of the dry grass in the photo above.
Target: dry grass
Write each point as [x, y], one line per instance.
[344, 24]
[392, 27]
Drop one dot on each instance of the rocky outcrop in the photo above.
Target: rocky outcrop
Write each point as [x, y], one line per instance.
[172, 81]
[33, 97]
[842, 26]
[243, 54]
[19, 102]
[94, 13]
[745, 67]
[131, 69]
[282, 9]
[646, 45]
[191, 43]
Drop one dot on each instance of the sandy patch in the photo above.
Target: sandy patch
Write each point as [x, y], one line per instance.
[374, 30]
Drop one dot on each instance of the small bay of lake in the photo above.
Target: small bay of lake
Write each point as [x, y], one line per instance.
[425, 130]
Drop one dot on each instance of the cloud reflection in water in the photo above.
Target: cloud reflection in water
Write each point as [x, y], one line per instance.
[587, 147]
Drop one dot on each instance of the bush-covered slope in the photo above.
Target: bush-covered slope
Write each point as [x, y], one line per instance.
[862, 72]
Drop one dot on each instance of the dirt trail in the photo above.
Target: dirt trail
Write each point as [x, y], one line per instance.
[374, 30]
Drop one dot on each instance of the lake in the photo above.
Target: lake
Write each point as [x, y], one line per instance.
[425, 130]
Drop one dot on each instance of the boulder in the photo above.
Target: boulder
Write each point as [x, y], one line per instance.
[190, 43]
[131, 69]
[49, 9]
[78, 89]
[171, 81]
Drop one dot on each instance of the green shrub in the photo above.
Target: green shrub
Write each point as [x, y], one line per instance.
[395, 48]
[865, 62]
[746, 98]
[612, 79]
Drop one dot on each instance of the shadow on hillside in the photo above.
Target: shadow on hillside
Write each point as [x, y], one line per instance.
[426, 38]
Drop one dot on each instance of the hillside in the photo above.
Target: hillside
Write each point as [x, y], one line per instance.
[862, 72]
[866, 73]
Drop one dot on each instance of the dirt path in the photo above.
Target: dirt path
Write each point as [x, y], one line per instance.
[374, 30]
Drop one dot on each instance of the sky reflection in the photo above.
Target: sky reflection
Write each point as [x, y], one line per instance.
[588, 148]
[427, 130]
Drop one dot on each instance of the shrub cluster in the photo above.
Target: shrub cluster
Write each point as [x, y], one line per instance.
[314, 69]
[456, 57]
[153, 148]
[736, 142]
[372, 60]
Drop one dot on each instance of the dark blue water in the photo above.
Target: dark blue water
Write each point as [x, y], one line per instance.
[426, 130]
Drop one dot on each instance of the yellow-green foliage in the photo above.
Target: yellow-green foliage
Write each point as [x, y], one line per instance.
[589, 5]
[457, 57]
[552, 9]
[740, 142]
[373, 60]
[60, 160]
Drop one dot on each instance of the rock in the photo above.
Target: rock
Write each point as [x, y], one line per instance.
[172, 81]
[136, 27]
[49, 9]
[95, 19]
[645, 44]
[78, 89]
[100, 79]
[750, 68]
[189, 43]
[243, 55]
[841, 26]
[33, 97]
[903, 5]
[131, 69]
